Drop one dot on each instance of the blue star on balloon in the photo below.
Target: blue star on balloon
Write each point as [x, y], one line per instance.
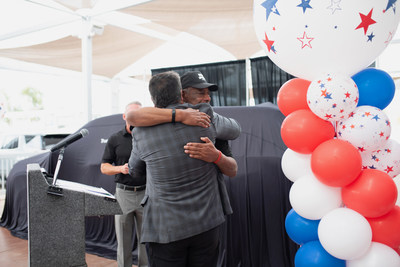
[391, 4]
[373, 157]
[328, 96]
[376, 118]
[372, 167]
[370, 37]
[270, 7]
[305, 4]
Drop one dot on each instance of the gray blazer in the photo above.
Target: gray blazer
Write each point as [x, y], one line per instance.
[182, 196]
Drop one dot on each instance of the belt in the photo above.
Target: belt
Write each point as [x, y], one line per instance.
[131, 188]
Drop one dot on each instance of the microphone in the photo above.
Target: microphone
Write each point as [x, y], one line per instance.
[70, 139]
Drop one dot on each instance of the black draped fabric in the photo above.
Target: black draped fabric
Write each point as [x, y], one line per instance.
[267, 79]
[253, 236]
[229, 76]
[255, 232]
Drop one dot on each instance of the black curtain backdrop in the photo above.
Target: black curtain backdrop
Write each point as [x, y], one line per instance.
[229, 76]
[253, 236]
[267, 79]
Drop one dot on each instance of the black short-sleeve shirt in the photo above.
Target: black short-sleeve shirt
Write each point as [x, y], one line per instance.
[117, 152]
[223, 146]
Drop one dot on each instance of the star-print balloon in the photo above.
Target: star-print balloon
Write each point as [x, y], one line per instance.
[308, 38]
[367, 128]
[332, 97]
[386, 159]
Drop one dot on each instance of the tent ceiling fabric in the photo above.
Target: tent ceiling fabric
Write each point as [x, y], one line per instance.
[227, 25]
[112, 51]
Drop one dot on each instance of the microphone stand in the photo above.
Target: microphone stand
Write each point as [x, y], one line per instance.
[53, 189]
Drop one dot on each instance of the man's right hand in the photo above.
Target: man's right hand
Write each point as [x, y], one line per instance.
[125, 168]
[204, 151]
[193, 117]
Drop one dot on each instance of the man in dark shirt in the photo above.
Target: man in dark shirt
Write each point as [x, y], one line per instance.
[129, 192]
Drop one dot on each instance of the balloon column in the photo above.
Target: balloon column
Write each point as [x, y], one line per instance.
[340, 155]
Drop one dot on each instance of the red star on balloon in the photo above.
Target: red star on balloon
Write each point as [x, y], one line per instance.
[268, 42]
[305, 40]
[366, 21]
[389, 169]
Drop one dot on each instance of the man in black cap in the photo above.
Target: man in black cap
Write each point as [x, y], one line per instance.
[183, 209]
[195, 90]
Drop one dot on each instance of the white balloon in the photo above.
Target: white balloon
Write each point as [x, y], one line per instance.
[345, 234]
[295, 165]
[310, 38]
[377, 255]
[368, 128]
[386, 158]
[311, 199]
[332, 97]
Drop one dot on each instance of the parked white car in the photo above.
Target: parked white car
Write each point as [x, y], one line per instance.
[15, 147]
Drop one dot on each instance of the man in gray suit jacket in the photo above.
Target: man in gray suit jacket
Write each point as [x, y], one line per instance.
[182, 207]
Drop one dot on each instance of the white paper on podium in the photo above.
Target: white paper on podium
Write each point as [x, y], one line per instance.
[98, 191]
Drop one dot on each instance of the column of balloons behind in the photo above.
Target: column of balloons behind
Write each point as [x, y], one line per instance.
[340, 155]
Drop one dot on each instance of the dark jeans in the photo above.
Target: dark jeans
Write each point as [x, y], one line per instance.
[197, 251]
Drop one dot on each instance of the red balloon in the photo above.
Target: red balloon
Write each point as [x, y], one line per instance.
[302, 131]
[292, 96]
[385, 229]
[336, 163]
[372, 194]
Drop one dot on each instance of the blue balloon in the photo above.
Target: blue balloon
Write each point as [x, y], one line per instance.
[299, 229]
[312, 254]
[376, 88]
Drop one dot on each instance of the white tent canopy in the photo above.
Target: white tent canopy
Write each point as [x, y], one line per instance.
[125, 33]
[127, 38]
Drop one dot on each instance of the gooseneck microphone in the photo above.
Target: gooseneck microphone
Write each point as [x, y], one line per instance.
[70, 139]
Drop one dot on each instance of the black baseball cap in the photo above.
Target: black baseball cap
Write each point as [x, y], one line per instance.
[196, 79]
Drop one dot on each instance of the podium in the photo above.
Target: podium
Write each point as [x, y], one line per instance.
[56, 218]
